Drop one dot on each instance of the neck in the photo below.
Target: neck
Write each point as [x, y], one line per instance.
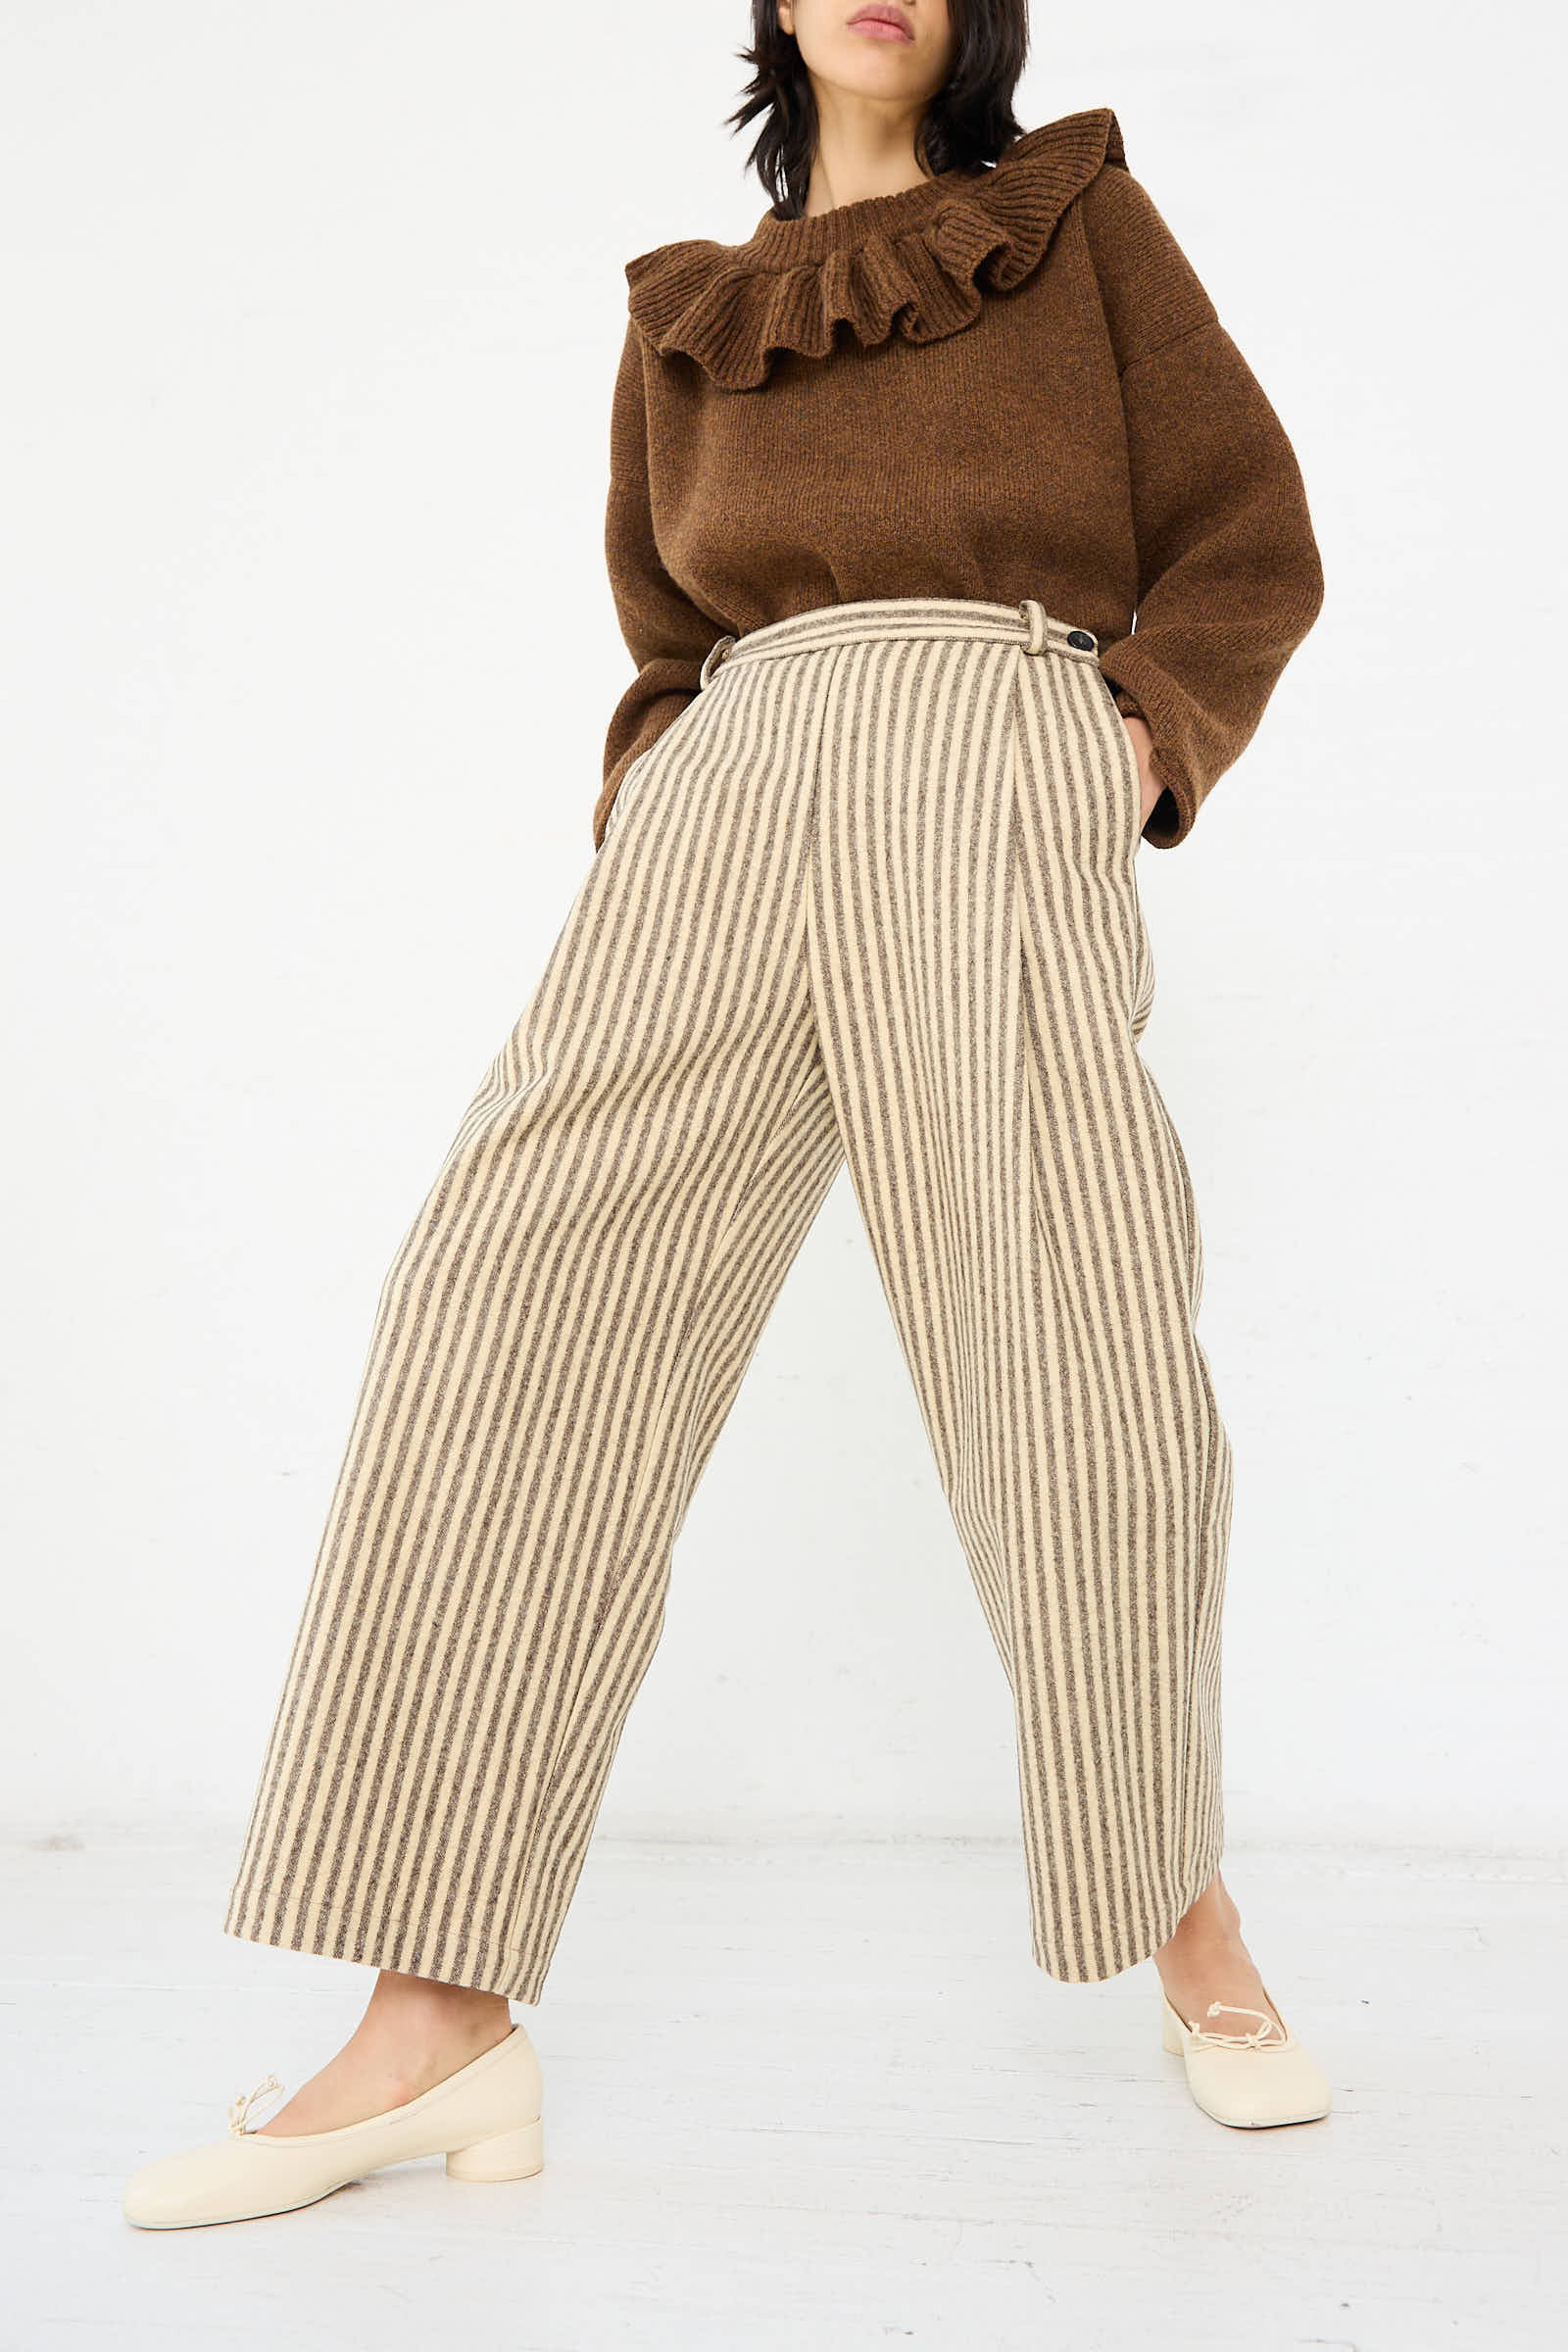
[860, 153]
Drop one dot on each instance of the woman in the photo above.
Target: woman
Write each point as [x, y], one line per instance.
[888, 481]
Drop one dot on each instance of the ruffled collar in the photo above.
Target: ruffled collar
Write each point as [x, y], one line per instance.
[919, 260]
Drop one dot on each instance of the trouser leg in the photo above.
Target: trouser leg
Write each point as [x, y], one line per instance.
[556, 1345]
[983, 978]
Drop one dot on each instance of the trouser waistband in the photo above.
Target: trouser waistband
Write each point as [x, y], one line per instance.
[1026, 623]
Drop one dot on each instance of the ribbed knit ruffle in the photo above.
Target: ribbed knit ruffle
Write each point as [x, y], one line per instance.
[919, 260]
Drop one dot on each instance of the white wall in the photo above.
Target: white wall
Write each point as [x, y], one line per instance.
[313, 315]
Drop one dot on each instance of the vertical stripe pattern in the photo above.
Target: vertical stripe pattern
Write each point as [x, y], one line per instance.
[870, 900]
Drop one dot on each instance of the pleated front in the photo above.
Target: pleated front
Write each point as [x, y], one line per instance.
[869, 900]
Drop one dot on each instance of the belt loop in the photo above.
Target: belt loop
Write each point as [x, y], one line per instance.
[1033, 613]
[713, 657]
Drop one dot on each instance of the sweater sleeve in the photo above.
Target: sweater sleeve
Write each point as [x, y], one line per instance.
[667, 635]
[1229, 574]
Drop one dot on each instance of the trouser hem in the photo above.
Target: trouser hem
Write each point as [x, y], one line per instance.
[1158, 1931]
[518, 1972]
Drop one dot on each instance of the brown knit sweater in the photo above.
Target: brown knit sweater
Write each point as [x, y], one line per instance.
[998, 383]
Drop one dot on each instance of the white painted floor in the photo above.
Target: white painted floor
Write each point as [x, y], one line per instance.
[815, 2096]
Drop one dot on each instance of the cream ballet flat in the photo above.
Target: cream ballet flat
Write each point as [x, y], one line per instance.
[484, 2120]
[1259, 2077]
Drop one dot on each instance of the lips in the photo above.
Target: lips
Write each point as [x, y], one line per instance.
[883, 22]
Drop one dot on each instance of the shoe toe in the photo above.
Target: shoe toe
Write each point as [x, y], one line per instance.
[1254, 2089]
[231, 2180]
[160, 2195]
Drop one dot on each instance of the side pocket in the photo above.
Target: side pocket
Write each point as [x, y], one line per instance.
[1131, 778]
[634, 775]
[627, 784]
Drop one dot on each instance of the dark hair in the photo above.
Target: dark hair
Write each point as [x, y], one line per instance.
[967, 122]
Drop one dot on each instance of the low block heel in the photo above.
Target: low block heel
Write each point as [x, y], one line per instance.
[511, 2156]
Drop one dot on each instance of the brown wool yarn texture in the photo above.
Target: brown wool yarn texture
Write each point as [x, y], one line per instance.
[1000, 383]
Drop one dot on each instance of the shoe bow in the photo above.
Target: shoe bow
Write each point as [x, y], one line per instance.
[240, 2107]
[1266, 2034]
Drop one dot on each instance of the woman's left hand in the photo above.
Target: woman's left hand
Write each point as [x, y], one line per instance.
[1143, 746]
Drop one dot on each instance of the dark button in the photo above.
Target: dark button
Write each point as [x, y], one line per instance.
[1082, 640]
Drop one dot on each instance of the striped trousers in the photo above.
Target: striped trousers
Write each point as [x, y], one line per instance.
[870, 898]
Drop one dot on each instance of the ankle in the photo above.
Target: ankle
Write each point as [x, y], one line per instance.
[1211, 1924]
[411, 2020]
